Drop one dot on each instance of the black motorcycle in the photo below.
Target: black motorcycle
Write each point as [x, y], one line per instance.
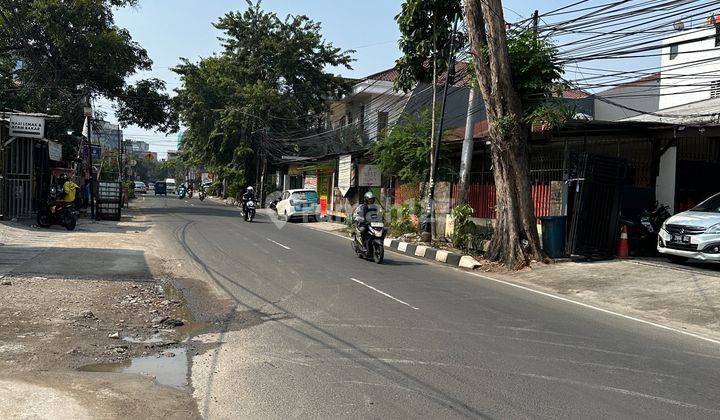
[643, 230]
[202, 194]
[248, 211]
[56, 212]
[181, 192]
[373, 233]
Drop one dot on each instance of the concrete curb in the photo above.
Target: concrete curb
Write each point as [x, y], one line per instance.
[426, 252]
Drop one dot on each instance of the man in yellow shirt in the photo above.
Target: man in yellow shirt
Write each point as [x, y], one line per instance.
[69, 188]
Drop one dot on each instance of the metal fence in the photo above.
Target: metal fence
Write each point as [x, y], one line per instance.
[18, 193]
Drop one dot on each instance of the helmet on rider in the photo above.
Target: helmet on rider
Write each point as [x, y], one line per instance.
[63, 178]
[250, 189]
[369, 198]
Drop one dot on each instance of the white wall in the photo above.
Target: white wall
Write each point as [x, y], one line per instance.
[642, 96]
[689, 68]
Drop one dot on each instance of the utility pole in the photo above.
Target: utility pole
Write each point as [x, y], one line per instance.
[536, 21]
[88, 116]
[429, 223]
[467, 148]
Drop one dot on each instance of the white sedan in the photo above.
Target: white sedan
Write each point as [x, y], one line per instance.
[298, 204]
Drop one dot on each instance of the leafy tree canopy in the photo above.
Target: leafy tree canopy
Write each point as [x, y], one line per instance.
[404, 151]
[54, 53]
[269, 81]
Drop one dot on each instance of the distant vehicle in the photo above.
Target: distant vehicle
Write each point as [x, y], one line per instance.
[170, 185]
[140, 187]
[160, 188]
[151, 186]
[693, 234]
[298, 204]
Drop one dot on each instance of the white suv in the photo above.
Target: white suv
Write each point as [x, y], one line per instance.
[693, 234]
[298, 204]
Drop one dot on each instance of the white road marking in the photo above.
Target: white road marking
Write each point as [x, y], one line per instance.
[585, 305]
[383, 293]
[278, 243]
[550, 295]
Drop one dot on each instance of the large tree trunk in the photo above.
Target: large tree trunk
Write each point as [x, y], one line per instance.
[515, 240]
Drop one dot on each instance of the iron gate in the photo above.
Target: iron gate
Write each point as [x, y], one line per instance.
[17, 192]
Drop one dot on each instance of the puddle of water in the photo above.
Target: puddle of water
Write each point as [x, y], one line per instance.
[172, 293]
[170, 371]
[153, 339]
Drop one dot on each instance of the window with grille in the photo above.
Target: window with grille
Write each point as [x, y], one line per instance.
[715, 89]
[673, 51]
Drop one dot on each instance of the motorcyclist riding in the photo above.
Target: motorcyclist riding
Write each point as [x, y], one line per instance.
[248, 196]
[365, 213]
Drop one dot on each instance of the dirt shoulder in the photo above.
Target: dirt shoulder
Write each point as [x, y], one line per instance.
[91, 321]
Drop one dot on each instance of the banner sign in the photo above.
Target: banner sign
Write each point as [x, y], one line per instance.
[310, 182]
[344, 173]
[25, 126]
[55, 151]
[96, 151]
[369, 176]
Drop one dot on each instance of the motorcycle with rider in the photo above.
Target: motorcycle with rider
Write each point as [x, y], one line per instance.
[59, 208]
[368, 237]
[248, 204]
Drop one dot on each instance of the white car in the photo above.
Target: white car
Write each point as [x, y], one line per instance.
[693, 234]
[298, 204]
[170, 185]
[140, 187]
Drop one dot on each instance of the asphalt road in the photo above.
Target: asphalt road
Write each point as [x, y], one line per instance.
[320, 333]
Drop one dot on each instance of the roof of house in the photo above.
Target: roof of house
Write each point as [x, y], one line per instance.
[635, 83]
[462, 76]
[705, 112]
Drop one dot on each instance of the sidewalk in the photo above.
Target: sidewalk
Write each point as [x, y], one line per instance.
[683, 297]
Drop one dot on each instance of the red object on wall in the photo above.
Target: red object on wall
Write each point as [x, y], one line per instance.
[323, 205]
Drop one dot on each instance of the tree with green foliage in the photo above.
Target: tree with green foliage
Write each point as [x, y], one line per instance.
[270, 78]
[54, 54]
[404, 150]
[517, 73]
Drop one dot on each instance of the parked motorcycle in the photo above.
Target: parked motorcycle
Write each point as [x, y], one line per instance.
[202, 194]
[374, 248]
[56, 212]
[643, 230]
[249, 214]
[182, 191]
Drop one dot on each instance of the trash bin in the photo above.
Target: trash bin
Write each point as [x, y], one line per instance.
[553, 235]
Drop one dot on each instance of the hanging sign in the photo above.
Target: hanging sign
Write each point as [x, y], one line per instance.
[25, 126]
[55, 151]
[344, 174]
[310, 182]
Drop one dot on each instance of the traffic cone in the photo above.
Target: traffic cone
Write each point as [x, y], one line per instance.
[622, 248]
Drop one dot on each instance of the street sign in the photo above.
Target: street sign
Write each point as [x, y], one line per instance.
[96, 151]
[26, 126]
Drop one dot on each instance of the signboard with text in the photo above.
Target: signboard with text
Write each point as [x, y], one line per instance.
[344, 173]
[26, 126]
[369, 176]
[55, 151]
[96, 151]
[310, 182]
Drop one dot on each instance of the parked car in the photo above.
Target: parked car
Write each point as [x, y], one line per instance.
[693, 234]
[160, 188]
[298, 204]
[140, 187]
[151, 186]
[170, 185]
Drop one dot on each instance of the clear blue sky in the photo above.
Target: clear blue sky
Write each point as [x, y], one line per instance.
[169, 29]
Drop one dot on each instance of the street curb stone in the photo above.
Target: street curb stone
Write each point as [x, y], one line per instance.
[439, 255]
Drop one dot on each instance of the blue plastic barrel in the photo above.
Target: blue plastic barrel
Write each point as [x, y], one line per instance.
[553, 235]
